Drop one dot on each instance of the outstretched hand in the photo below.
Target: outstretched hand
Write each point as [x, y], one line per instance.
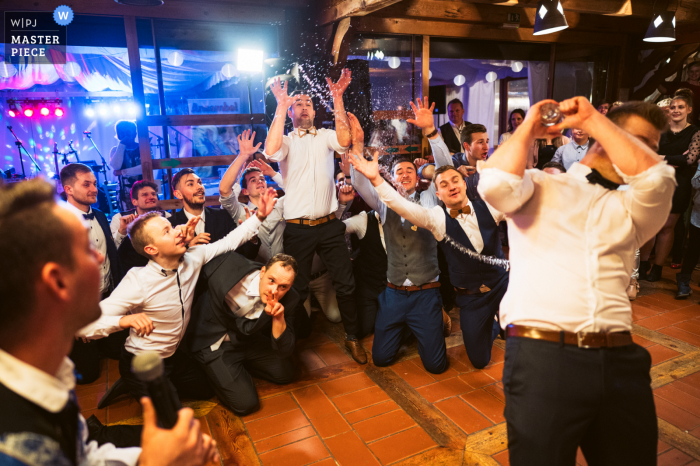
[369, 168]
[267, 203]
[279, 89]
[338, 88]
[245, 144]
[263, 167]
[423, 114]
[187, 230]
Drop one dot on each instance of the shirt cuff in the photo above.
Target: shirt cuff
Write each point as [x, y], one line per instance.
[660, 170]
[277, 178]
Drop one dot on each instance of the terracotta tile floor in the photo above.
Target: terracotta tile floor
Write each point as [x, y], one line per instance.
[338, 412]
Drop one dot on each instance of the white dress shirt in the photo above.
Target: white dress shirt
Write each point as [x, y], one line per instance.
[358, 224]
[572, 244]
[99, 242]
[306, 164]
[51, 392]
[199, 228]
[114, 227]
[433, 219]
[163, 295]
[244, 301]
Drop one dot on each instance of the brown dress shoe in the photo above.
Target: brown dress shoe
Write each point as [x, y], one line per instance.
[357, 351]
[633, 289]
[446, 324]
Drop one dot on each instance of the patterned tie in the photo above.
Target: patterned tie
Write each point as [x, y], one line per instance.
[89, 216]
[464, 210]
[304, 132]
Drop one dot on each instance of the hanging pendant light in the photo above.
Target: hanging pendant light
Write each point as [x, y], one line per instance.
[549, 17]
[662, 27]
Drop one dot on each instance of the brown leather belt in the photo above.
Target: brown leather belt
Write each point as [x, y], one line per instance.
[414, 288]
[312, 223]
[580, 339]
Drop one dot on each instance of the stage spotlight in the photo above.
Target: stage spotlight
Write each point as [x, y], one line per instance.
[13, 111]
[116, 109]
[89, 112]
[29, 112]
[250, 60]
[102, 110]
[131, 109]
[44, 110]
[58, 112]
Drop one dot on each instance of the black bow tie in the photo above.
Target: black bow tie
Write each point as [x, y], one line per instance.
[594, 177]
[89, 216]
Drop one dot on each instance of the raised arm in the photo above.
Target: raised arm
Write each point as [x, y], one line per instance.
[629, 153]
[242, 233]
[412, 212]
[116, 156]
[246, 150]
[342, 125]
[512, 155]
[359, 181]
[273, 143]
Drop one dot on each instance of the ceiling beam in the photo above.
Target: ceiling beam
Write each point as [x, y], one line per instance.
[677, 60]
[376, 25]
[348, 8]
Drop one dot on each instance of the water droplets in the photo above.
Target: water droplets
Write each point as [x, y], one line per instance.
[491, 260]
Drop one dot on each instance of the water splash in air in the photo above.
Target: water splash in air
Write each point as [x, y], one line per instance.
[491, 260]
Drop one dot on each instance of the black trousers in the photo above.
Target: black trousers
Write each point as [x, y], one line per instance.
[230, 372]
[680, 232]
[560, 397]
[87, 356]
[186, 379]
[367, 305]
[328, 240]
[692, 252]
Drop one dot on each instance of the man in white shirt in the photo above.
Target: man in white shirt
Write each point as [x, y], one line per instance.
[80, 186]
[479, 286]
[144, 198]
[575, 150]
[306, 160]
[155, 301]
[55, 291]
[450, 131]
[573, 376]
[253, 184]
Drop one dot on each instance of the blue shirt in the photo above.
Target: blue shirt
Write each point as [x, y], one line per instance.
[570, 153]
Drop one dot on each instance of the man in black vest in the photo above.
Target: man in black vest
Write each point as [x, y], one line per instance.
[479, 286]
[450, 130]
[243, 326]
[214, 224]
[80, 186]
[53, 290]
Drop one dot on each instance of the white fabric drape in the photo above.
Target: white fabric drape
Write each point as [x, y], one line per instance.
[480, 108]
[537, 77]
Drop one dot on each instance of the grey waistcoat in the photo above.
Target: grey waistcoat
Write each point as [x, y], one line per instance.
[411, 251]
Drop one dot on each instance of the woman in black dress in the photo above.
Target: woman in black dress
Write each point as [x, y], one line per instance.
[544, 150]
[674, 147]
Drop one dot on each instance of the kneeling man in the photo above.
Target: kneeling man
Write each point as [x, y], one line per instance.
[243, 327]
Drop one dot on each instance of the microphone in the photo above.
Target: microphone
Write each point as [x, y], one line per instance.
[148, 368]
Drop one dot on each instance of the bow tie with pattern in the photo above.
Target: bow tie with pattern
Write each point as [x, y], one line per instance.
[594, 177]
[89, 216]
[464, 210]
[304, 132]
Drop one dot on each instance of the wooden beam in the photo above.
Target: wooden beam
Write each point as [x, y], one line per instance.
[191, 162]
[375, 25]
[132, 44]
[173, 9]
[660, 76]
[340, 32]
[349, 8]
[201, 120]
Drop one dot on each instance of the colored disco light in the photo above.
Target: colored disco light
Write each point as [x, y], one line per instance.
[58, 112]
[44, 111]
[29, 112]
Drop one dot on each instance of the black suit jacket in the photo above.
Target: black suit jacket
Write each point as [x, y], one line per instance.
[448, 135]
[212, 318]
[114, 263]
[218, 223]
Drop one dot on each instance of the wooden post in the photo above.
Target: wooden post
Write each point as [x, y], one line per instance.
[132, 45]
[552, 65]
[163, 110]
[425, 83]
